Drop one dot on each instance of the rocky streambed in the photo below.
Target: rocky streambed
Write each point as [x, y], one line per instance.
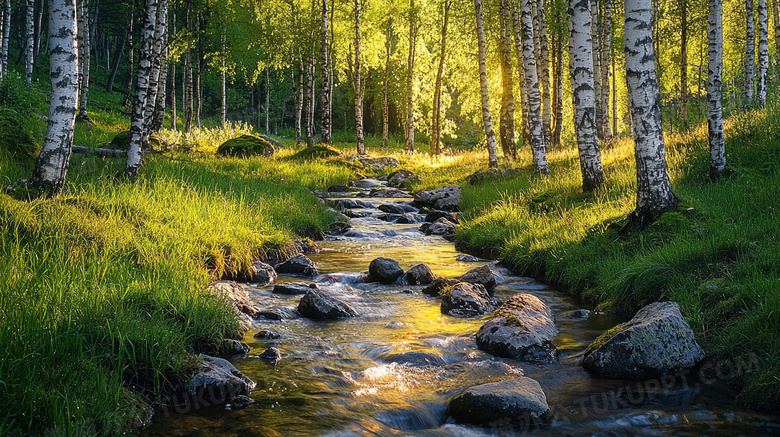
[387, 330]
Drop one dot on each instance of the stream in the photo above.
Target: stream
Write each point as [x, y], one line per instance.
[337, 378]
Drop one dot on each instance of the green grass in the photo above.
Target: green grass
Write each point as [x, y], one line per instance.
[718, 255]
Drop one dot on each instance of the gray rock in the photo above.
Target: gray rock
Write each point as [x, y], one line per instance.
[217, 381]
[263, 273]
[392, 208]
[384, 270]
[233, 347]
[388, 217]
[379, 163]
[441, 227]
[432, 216]
[408, 218]
[580, 314]
[299, 265]
[481, 275]
[466, 300]
[366, 184]
[416, 358]
[438, 285]
[390, 193]
[272, 355]
[237, 295]
[420, 274]
[273, 314]
[318, 304]
[443, 198]
[266, 334]
[276, 143]
[522, 328]
[399, 178]
[515, 401]
[293, 288]
[467, 258]
[657, 341]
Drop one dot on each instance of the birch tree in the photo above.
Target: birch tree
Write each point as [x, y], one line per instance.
[325, 71]
[585, 116]
[596, 67]
[532, 86]
[51, 166]
[506, 126]
[544, 74]
[750, 53]
[654, 188]
[436, 117]
[134, 147]
[763, 53]
[29, 47]
[605, 48]
[6, 37]
[483, 83]
[84, 51]
[714, 88]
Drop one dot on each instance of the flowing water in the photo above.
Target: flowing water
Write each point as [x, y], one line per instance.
[337, 378]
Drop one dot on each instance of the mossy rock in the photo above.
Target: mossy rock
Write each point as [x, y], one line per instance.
[122, 140]
[16, 140]
[246, 145]
[315, 152]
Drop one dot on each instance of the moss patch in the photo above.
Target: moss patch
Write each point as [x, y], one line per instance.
[246, 145]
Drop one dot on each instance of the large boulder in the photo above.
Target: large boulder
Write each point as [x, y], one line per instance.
[408, 218]
[466, 300]
[384, 270]
[518, 401]
[318, 304]
[217, 381]
[246, 145]
[481, 275]
[274, 142]
[298, 265]
[443, 198]
[442, 227]
[399, 178]
[420, 274]
[263, 273]
[657, 341]
[293, 288]
[523, 328]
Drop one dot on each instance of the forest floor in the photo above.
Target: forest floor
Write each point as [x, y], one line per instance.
[103, 296]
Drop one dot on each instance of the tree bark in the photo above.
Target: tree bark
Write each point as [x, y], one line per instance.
[6, 37]
[436, 116]
[130, 57]
[299, 94]
[134, 155]
[750, 53]
[596, 66]
[188, 97]
[361, 145]
[385, 83]
[223, 82]
[776, 23]
[654, 188]
[684, 63]
[410, 78]
[535, 130]
[120, 50]
[327, 122]
[30, 32]
[714, 89]
[198, 87]
[51, 166]
[605, 55]
[506, 125]
[158, 115]
[267, 100]
[487, 120]
[310, 100]
[763, 53]
[517, 30]
[155, 67]
[85, 49]
[585, 96]
[174, 117]
[544, 74]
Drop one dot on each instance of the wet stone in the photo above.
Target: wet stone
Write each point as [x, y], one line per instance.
[263, 273]
[515, 401]
[300, 265]
[318, 304]
[467, 258]
[466, 300]
[416, 358]
[272, 355]
[438, 286]
[293, 288]
[420, 274]
[434, 215]
[266, 334]
[385, 270]
[408, 218]
[481, 275]
[234, 347]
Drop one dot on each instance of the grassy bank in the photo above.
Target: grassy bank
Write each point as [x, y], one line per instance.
[717, 256]
[102, 290]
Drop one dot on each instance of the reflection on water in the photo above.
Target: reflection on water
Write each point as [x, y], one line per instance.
[339, 378]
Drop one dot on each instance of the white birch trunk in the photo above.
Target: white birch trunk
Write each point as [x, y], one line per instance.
[487, 120]
[30, 30]
[85, 47]
[517, 29]
[544, 76]
[6, 37]
[134, 155]
[51, 166]
[654, 188]
[714, 89]
[596, 65]
[327, 122]
[585, 116]
[763, 53]
[155, 65]
[750, 53]
[534, 102]
[604, 55]
[507, 112]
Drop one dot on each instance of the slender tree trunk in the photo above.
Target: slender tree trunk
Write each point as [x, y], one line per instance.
[30, 31]
[596, 66]
[614, 99]
[410, 77]
[519, 52]
[120, 50]
[327, 122]
[534, 96]
[38, 33]
[361, 145]
[585, 121]
[605, 55]
[84, 61]
[155, 67]
[684, 63]
[198, 87]
[188, 98]
[51, 166]
[544, 75]
[763, 53]
[6, 37]
[158, 115]
[654, 188]
[267, 100]
[506, 125]
[223, 82]
[385, 83]
[487, 120]
[310, 101]
[750, 53]
[134, 148]
[558, 38]
[714, 86]
[299, 93]
[130, 57]
[174, 117]
[776, 23]
[436, 116]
